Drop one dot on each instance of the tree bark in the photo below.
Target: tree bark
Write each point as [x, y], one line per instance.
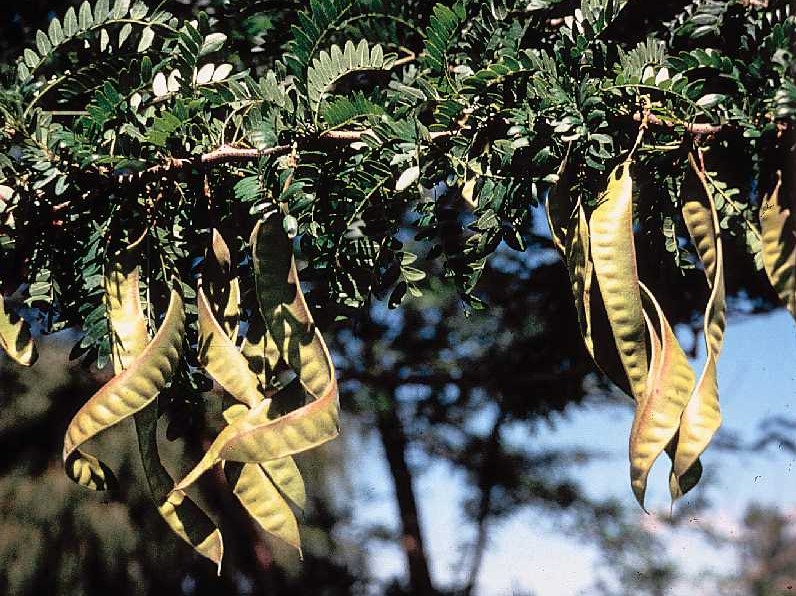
[486, 485]
[394, 442]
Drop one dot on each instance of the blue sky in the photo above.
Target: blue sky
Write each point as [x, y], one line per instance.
[757, 379]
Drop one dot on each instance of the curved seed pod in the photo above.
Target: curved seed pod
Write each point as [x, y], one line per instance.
[260, 351]
[581, 271]
[125, 395]
[129, 339]
[778, 227]
[15, 338]
[259, 495]
[183, 516]
[255, 437]
[702, 416]
[129, 335]
[558, 208]
[221, 285]
[671, 381]
[221, 359]
[614, 256]
[570, 232]
[286, 475]
[283, 472]
[262, 500]
[284, 309]
[257, 490]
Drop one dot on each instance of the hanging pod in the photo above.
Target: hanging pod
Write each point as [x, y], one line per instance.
[15, 338]
[613, 255]
[670, 382]
[702, 416]
[129, 339]
[124, 395]
[569, 229]
[778, 228]
[256, 437]
[258, 487]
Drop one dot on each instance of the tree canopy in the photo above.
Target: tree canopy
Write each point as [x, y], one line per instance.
[162, 172]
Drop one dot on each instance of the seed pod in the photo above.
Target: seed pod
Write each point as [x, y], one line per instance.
[702, 416]
[258, 491]
[570, 231]
[260, 496]
[255, 437]
[778, 227]
[614, 256]
[221, 286]
[129, 338]
[670, 383]
[124, 395]
[15, 338]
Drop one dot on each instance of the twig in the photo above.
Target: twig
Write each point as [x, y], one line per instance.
[697, 128]
[228, 154]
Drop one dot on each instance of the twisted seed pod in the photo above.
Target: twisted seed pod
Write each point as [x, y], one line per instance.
[614, 256]
[222, 287]
[257, 491]
[124, 395]
[15, 338]
[129, 339]
[671, 381]
[260, 351]
[778, 227]
[702, 417]
[220, 357]
[255, 437]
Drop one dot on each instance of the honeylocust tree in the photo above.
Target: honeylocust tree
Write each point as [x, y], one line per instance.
[159, 183]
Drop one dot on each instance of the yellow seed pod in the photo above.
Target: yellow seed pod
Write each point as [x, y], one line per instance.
[702, 416]
[15, 338]
[614, 256]
[778, 228]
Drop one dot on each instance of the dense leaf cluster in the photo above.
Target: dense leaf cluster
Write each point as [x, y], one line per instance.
[368, 116]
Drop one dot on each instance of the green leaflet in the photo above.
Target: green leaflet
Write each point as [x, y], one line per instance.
[701, 417]
[671, 381]
[129, 340]
[15, 338]
[255, 437]
[614, 257]
[124, 395]
[778, 227]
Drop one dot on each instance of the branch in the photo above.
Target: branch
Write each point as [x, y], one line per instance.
[228, 154]
[696, 129]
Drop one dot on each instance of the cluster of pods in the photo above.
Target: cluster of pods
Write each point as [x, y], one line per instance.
[626, 331]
